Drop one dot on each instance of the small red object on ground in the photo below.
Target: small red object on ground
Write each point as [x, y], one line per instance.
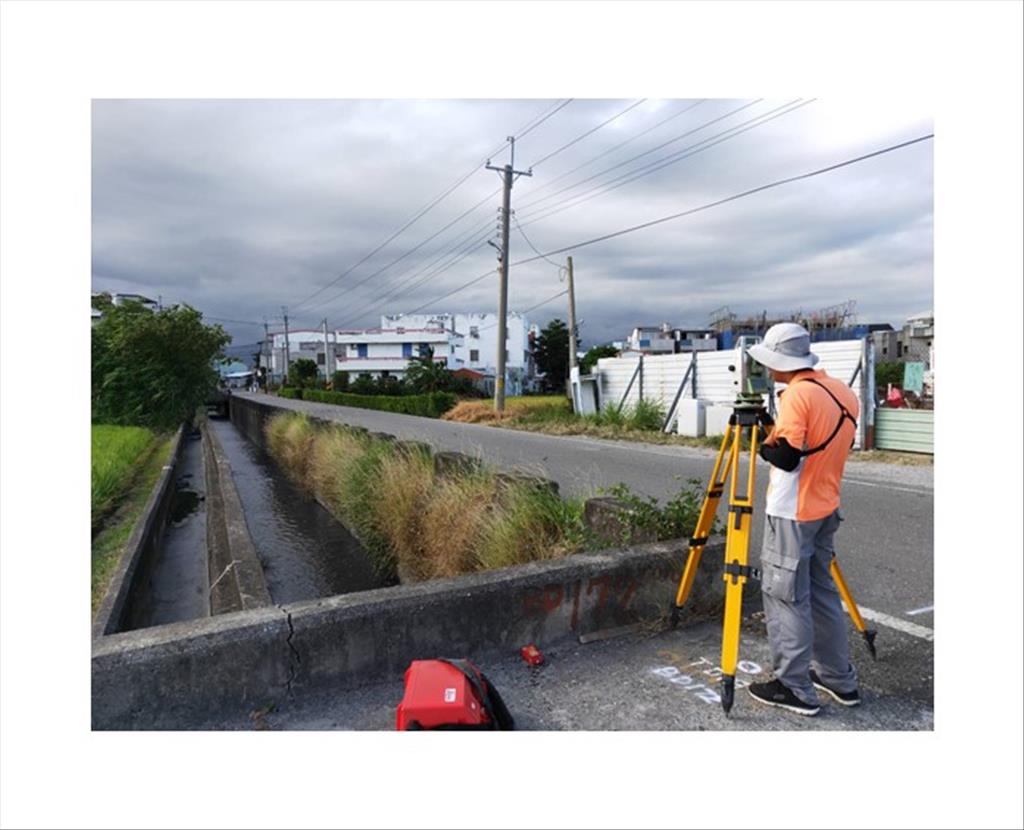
[532, 655]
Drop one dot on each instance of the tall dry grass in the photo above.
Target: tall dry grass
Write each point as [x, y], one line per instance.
[413, 521]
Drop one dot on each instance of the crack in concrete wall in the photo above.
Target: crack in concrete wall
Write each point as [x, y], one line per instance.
[294, 658]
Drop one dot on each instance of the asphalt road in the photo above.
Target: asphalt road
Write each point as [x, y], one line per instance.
[885, 545]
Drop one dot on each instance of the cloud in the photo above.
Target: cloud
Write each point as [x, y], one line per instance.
[242, 207]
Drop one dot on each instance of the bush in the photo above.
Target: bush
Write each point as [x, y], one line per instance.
[413, 520]
[364, 385]
[290, 392]
[432, 405]
[676, 520]
[645, 415]
[339, 382]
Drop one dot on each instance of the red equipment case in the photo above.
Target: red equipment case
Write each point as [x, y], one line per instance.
[449, 694]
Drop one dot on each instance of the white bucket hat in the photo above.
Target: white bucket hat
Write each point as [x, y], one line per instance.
[786, 348]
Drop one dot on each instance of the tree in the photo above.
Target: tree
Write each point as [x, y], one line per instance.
[593, 355]
[551, 353]
[153, 368]
[424, 374]
[339, 381]
[303, 373]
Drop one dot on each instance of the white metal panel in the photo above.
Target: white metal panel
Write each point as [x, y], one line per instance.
[715, 383]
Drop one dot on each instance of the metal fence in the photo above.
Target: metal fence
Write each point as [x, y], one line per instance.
[907, 430]
[711, 377]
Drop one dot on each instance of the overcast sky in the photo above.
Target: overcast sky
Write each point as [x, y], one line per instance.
[242, 207]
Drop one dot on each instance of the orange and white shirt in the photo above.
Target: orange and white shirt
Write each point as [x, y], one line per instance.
[806, 418]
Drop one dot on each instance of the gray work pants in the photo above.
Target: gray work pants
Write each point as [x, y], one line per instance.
[806, 623]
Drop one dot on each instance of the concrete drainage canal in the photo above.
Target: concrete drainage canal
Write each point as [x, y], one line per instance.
[238, 592]
[239, 535]
[305, 553]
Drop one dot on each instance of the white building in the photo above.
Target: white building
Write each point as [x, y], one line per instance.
[386, 352]
[477, 344]
[302, 343]
[121, 299]
[665, 339]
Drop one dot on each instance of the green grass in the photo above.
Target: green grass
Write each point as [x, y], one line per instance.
[116, 454]
[108, 545]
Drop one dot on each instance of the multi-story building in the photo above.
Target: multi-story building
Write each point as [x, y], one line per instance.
[386, 352]
[302, 343]
[664, 339]
[476, 345]
[913, 342]
[916, 338]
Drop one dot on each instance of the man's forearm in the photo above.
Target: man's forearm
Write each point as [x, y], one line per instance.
[781, 455]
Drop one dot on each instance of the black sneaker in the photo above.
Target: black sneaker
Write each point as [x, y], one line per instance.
[845, 698]
[775, 693]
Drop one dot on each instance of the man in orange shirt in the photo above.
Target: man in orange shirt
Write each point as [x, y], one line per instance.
[807, 448]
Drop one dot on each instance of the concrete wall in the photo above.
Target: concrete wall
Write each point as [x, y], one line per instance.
[117, 611]
[235, 572]
[174, 676]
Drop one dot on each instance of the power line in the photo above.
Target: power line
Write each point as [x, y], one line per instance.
[554, 153]
[672, 140]
[552, 298]
[732, 198]
[618, 146]
[381, 299]
[422, 212]
[530, 125]
[657, 164]
[545, 116]
[528, 242]
[561, 106]
[689, 212]
[379, 271]
[666, 161]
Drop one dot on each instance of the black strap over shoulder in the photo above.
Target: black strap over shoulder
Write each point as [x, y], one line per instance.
[845, 415]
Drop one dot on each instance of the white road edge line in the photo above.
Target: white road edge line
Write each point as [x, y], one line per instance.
[922, 491]
[913, 629]
[917, 611]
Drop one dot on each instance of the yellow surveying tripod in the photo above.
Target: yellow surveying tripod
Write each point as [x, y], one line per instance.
[748, 416]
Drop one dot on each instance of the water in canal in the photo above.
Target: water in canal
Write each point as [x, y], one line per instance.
[177, 589]
[305, 552]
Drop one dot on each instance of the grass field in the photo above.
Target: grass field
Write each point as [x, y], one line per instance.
[109, 542]
[116, 454]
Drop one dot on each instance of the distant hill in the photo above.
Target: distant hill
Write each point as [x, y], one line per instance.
[243, 353]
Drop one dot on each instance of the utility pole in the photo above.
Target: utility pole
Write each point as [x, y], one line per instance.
[269, 350]
[327, 354]
[572, 319]
[506, 212]
[287, 345]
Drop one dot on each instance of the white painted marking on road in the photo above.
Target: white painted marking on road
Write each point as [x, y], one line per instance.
[921, 491]
[913, 629]
[917, 611]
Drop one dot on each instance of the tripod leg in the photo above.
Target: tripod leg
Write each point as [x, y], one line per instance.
[851, 607]
[716, 487]
[737, 548]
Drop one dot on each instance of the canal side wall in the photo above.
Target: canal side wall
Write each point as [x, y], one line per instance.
[117, 611]
[180, 675]
[236, 575]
